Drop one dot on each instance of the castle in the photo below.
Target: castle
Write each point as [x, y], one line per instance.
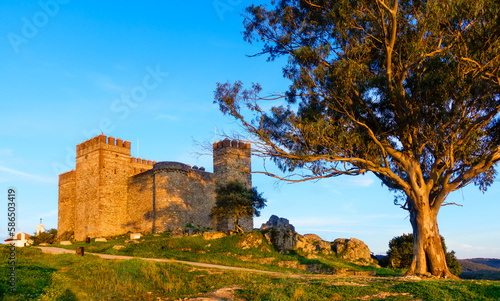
[110, 193]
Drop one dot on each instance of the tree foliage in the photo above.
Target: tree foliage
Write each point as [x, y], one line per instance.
[235, 201]
[48, 237]
[406, 89]
[401, 254]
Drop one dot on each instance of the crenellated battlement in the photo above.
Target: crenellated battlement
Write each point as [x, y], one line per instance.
[67, 177]
[226, 143]
[142, 161]
[103, 142]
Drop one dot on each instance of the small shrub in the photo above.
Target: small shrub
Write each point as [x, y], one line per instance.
[400, 254]
[48, 237]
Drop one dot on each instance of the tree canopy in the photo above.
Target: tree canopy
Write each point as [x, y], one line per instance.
[408, 90]
[234, 201]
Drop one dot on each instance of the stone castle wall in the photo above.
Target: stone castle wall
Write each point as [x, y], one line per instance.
[110, 193]
[67, 198]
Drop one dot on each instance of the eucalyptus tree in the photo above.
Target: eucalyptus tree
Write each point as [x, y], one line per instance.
[407, 90]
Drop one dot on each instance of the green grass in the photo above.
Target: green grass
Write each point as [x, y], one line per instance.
[70, 277]
[222, 251]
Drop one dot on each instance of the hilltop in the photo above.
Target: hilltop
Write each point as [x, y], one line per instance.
[491, 262]
[69, 277]
[480, 268]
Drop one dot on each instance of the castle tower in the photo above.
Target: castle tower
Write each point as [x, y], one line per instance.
[67, 202]
[232, 162]
[102, 172]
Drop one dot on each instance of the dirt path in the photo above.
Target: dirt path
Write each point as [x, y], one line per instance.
[54, 250]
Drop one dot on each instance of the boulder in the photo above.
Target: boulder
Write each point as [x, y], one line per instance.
[304, 244]
[280, 233]
[312, 243]
[65, 242]
[277, 222]
[312, 237]
[213, 235]
[178, 232]
[135, 236]
[352, 249]
[118, 247]
[250, 240]
[101, 239]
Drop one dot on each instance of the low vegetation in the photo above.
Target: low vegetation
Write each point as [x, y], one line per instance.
[47, 237]
[70, 277]
[400, 254]
[224, 251]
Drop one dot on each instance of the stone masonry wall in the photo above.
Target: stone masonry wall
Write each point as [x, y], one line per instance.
[67, 196]
[140, 203]
[87, 194]
[183, 196]
[114, 171]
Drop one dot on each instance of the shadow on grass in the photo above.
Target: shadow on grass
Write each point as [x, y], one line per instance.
[67, 296]
[31, 281]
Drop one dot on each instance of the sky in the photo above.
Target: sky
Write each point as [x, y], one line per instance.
[146, 72]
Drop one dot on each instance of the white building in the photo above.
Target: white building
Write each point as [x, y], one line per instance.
[20, 240]
[40, 228]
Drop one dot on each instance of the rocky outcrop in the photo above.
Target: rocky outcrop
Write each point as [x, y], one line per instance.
[250, 240]
[352, 249]
[312, 243]
[213, 235]
[280, 233]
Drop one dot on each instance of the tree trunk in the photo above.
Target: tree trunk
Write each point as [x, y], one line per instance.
[428, 253]
[237, 227]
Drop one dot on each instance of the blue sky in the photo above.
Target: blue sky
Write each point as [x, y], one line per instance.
[147, 71]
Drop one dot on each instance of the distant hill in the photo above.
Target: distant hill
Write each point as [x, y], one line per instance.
[491, 262]
[480, 268]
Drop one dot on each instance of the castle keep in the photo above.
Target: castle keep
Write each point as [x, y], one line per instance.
[110, 193]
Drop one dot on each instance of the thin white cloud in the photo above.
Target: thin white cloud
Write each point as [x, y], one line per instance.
[168, 117]
[49, 214]
[470, 247]
[314, 221]
[36, 178]
[362, 181]
[106, 83]
[354, 181]
[386, 216]
[4, 152]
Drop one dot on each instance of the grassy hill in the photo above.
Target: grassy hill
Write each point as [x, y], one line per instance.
[70, 277]
[224, 251]
[491, 262]
[480, 268]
